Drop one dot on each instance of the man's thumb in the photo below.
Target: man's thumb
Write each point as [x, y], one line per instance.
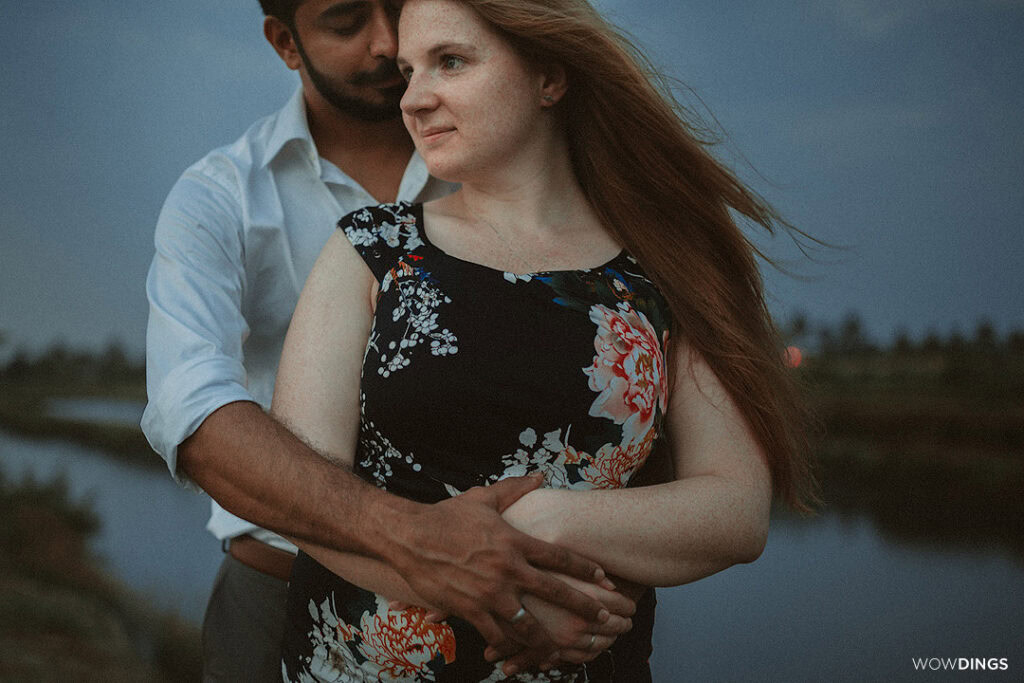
[508, 491]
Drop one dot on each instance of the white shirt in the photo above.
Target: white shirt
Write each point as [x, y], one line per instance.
[235, 241]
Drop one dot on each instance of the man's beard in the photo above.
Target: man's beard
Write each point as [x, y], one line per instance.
[336, 94]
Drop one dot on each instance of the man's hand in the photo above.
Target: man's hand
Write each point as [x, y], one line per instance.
[578, 640]
[460, 556]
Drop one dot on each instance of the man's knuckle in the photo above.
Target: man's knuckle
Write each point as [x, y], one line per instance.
[560, 557]
[488, 595]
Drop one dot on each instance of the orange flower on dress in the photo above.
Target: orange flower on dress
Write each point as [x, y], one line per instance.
[401, 644]
[612, 466]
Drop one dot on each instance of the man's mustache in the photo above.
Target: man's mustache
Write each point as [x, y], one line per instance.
[386, 72]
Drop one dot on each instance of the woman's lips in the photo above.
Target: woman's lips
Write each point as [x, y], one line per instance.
[434, 134]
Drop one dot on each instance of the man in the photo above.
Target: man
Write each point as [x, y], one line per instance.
[237, 237]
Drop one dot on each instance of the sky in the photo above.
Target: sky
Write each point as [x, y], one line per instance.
[892, 130]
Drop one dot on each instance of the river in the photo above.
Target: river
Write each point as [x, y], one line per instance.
[830, 599]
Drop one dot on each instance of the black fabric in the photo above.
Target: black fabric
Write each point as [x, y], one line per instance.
[471, 375]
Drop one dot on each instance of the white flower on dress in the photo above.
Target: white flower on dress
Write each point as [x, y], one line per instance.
[390, 233]
[443, 343]
[378, 452]
[611, 467]
[531, 457]
[419, 296]
[332, 661]
[551, 676]
[418, 301]
[360, 237]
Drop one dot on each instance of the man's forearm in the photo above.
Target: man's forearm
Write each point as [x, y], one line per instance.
[458, 554]
[258, 470]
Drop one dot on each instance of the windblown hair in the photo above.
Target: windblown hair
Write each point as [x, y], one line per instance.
[651, 179]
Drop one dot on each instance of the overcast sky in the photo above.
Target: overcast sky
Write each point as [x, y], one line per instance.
[894, 128]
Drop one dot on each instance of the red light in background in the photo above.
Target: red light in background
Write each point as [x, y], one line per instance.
[793, 357]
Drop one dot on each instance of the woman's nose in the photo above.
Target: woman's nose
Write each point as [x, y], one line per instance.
[419, 95]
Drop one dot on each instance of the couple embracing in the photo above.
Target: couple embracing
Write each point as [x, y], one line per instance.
[419, 333]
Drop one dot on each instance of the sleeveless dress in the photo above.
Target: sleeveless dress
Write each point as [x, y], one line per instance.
[471, 375]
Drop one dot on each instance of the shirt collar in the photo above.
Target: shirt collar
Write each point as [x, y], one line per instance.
[291, 124]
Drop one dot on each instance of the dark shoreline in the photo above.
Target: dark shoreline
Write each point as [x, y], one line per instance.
[62, 616]
[927, 443]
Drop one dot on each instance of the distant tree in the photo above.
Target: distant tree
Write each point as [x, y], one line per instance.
[851, 335]
[59, 363]
[827, 340]
[113, 362]
[1015, 341]
[54, 362]
[902, 345]
[797, 328]
[956, 342]
[932, 343]
[985, 336]
[18, 368]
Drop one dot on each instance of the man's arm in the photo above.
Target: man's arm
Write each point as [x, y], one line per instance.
[458, 554]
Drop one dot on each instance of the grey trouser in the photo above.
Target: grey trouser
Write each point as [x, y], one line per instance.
[243, 626]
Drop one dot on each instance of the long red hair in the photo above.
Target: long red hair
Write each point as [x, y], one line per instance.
[650, 177]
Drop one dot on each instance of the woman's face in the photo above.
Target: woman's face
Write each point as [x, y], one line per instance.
[472, 103]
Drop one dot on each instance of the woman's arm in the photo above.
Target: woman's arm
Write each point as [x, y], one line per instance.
[458, 554]
[326, 340]
[714, 515]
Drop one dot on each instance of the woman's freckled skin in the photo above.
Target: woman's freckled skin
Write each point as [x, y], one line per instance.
[476, 87]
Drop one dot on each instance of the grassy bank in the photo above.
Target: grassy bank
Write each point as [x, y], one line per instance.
[62, 618]
[23, 411]
[929, 443]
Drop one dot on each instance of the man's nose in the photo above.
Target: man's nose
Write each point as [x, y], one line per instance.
[384, 33]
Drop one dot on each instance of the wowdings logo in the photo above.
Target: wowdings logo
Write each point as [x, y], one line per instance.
[961, 664]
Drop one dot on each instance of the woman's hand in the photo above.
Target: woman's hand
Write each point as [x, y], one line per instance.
[577, 640]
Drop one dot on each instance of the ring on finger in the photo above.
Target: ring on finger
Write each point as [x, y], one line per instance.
[518, 616]
[593, 639]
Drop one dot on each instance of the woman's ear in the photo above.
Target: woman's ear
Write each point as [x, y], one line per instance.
[554, 85]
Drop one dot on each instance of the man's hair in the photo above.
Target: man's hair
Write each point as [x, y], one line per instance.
[282, 9]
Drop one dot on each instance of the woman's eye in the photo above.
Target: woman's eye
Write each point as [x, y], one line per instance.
[406, 73]
[451, 62]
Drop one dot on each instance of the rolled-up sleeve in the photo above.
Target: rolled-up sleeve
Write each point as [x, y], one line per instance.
[196, 328]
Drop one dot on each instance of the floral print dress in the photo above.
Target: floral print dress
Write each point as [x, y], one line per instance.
[471, 375]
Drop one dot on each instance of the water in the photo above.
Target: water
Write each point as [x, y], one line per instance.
[831, 599]
[152, 531]
[100, 410]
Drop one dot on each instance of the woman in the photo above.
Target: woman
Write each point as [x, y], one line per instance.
[584, 296]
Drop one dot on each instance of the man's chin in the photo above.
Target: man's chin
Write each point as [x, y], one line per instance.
[380, 109]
